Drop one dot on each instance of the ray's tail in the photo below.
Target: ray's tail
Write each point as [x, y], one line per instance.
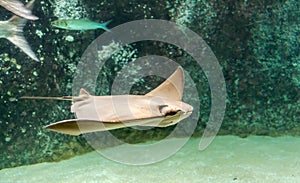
[70, 98]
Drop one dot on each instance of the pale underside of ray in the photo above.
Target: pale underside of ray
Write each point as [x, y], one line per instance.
[80, 126]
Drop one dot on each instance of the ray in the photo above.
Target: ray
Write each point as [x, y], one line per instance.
[161, 107]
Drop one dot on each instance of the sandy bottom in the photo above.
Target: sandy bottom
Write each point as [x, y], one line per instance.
[227, 159]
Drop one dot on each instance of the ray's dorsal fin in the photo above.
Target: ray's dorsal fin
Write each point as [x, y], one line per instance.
[83, 92]
[172, 88]
[83, 95]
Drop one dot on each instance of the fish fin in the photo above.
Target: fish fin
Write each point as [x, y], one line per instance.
[19, 40]
[172, 88]
[17, 37]
[19, 9]
[104, 26]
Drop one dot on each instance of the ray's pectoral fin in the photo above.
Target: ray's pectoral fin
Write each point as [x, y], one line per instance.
[69, 127]
[79, 126]
[76, 126]
[172, 88]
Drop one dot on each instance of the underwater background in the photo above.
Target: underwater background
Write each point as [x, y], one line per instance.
[256, 43]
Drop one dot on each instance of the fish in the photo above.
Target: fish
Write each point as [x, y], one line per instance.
[79, 24]
[18, 8]
[161, 107]
[12, 30]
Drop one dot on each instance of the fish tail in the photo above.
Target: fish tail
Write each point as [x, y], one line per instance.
[17, 37]
[30, 16]
[104, 26]
[19, 9]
